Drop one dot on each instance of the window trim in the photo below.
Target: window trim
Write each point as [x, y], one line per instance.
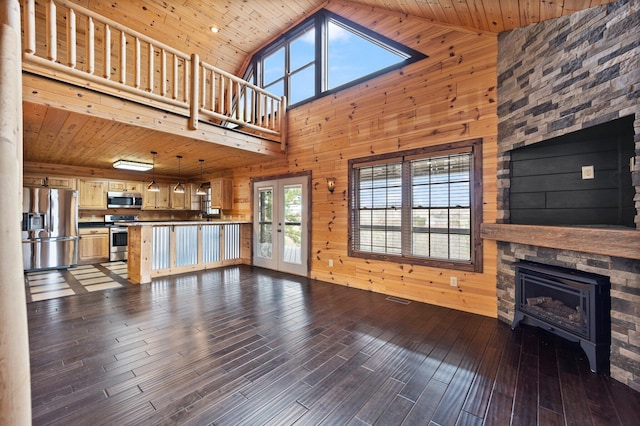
[319, 21]
[474, 146]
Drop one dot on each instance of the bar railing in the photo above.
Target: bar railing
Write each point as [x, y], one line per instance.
[73, 44]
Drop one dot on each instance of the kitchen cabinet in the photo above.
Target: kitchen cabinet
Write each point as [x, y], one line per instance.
[156, 200]
[60, 182]
[92, 194]
[93, 245]
[125, 186]
[196, 200]
[222, 194]
[180, 201]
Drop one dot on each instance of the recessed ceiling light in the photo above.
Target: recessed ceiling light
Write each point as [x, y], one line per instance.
[215, 29]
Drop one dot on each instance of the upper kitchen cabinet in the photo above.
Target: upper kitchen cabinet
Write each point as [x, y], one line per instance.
[156, 200]
[92, 194]
[122, 186]
[59, 182]
[180, 201]
[222, 194]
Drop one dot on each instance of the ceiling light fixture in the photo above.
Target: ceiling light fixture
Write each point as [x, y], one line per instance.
[214, 29]
[132, 165]
[153, 186]
[201, 190]
[179, 188]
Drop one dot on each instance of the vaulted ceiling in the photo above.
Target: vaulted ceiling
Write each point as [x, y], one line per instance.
[244, 27]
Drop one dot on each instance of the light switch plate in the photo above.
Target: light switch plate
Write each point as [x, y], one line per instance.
[587, 172]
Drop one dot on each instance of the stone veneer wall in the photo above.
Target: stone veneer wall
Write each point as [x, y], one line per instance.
[557, 77]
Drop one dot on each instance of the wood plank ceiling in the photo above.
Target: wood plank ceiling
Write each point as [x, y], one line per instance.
[244, 27]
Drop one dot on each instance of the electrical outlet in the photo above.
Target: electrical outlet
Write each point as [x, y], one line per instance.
[587, 172]
[453, 281]
[330, 263]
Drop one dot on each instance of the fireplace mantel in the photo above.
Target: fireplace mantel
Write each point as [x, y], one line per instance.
[623, 243]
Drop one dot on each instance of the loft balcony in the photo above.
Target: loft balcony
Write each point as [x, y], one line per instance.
[67, 46]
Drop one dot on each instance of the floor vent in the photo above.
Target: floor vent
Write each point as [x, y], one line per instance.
[398, 300]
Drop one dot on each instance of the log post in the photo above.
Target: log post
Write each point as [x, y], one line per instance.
[15, 380]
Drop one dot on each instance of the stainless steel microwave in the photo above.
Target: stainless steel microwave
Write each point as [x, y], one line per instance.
[124, 200]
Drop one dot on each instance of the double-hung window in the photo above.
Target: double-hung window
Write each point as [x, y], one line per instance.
[421, 206]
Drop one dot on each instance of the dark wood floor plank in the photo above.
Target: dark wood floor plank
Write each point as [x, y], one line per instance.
[378, 402]
[479, 394]
[426, 404]
[243, 345]
[525, 405]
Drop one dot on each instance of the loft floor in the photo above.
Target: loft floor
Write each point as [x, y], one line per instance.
[243, 345]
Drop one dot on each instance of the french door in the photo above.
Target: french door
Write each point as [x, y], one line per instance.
[281, 224]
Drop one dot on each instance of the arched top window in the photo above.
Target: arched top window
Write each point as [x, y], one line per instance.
[322, 55]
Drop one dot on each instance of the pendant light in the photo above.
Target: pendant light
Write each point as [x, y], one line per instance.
[179, 188]
[201, 190]
[153, 186]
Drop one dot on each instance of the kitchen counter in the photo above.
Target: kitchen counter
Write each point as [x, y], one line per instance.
[185, 222]
[159, 248]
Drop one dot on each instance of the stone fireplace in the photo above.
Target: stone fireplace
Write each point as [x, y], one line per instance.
[554, 78]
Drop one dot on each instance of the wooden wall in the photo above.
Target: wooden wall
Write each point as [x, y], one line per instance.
[447, 97]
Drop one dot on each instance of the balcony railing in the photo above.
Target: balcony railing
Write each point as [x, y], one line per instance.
[67, 42]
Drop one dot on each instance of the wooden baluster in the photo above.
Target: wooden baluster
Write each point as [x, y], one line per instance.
[195, 90]
[137, 70]
[52, 49]
[230, 99]
[203, 83]
[30, 27]
[221, 101]
[163, 72]
[123, 57]
[254, 106]
[282, 124]
[187, 82]
[107, 52]
[258, 108]
[272, 115]
[151, 68]
[71, 38]
[214, 82]
[90, 46]
[175, 76]
[245, 106]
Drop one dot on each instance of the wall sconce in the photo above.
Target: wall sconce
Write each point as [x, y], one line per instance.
[331, 184]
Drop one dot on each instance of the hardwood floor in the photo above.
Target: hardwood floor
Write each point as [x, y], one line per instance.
[244, 345]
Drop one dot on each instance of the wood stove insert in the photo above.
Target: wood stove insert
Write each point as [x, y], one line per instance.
[572, 304]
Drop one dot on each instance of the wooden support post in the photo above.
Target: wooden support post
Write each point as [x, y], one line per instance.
[15, 379]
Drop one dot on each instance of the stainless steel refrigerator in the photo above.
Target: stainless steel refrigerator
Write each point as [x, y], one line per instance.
[49, 228]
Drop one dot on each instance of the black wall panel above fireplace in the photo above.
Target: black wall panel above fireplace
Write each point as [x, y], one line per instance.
[547, 184]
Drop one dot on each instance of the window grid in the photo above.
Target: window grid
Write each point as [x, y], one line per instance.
[418, 206]
[297, 64]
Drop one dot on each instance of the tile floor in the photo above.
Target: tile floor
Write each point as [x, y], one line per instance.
[50, 284]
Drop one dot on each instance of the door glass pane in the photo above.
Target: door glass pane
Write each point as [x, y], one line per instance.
[265, 223]
[292, 224]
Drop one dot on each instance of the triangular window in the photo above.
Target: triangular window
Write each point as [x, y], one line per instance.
[324, 54]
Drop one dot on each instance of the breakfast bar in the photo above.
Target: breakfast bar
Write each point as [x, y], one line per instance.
[166, 248]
